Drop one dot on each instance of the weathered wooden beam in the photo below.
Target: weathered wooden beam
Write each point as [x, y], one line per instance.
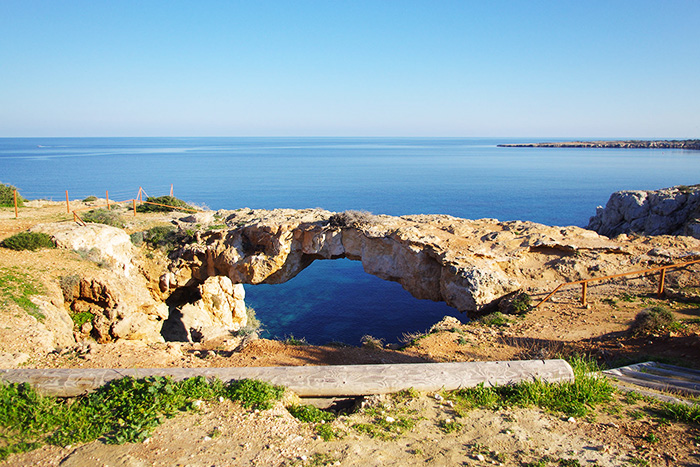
[314, 381]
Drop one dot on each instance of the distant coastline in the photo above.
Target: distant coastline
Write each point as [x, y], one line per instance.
[693, 144]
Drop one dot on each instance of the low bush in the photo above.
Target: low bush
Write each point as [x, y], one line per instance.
[28, 241]
[652, 320]
[165, 200]
[69, 286]
[310, 414]
[103, 216]
[90, 199]
[351, 219]
[7, 196]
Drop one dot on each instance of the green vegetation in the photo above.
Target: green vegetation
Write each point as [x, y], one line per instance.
[90, 199]
[125, 410]
[254, 394]
[574, 398]
[653, 320]
[521, 303]
[17, 287]
[103, 216]
[165, 200]
[28, 241]
[450, 426]
[494, 319]
[291, 340]
[310, 414]
[81, 318]
[7, 196]
[371, 342]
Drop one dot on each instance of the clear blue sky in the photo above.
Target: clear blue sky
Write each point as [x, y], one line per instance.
[622, 68]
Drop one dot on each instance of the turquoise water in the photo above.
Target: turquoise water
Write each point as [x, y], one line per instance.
[336, 300]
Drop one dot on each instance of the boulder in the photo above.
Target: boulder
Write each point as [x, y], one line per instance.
[219, 312]
[102, 243]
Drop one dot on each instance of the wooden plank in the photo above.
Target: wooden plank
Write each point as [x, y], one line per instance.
[314, 381]
[671, 382]
[649, 384]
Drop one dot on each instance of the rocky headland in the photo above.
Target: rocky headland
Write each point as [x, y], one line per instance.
[691, 144]
[195, 292]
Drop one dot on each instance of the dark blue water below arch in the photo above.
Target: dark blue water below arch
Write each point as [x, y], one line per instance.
[336, 301]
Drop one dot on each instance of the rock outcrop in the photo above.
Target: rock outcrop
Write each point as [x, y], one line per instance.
[100, 242]
[218, 313]
[669, 211]
[468, 264]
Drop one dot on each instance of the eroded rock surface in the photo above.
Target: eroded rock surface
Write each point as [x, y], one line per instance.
[468, 264]
[669, 211]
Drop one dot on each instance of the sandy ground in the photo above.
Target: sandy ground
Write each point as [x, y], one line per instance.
[226, 434]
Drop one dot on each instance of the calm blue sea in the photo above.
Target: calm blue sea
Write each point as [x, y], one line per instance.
[336, 300]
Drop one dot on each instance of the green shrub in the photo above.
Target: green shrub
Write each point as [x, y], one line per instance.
[28, 241]
[7, 196]
[652, 320]
[494, 319]
[160, 237]
[90, 199]
[103, 216]
[167, 200]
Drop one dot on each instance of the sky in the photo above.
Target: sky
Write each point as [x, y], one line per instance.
[560, 68]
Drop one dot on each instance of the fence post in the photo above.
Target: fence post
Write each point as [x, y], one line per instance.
[662, 279]
[107, 196]
[583, 293]
[16, 214]
[171, 189]
[67, 203]
[134, 207]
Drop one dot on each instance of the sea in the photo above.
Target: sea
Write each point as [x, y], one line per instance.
[335, 300]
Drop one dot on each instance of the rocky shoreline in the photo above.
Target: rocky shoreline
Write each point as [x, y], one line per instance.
[690, 144]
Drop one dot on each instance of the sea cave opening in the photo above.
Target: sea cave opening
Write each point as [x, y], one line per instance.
[337, 301]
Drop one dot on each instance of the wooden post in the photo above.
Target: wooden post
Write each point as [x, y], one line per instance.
[134, 207]
[141, 194]
[107, 196]
[16, 214]
[74, 218]
[171, 189]
[662, 279]
[67, 203]
[583, 293]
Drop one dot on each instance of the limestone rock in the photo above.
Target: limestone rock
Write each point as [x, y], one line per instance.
[468, 264]
[669, 211]
[104, 242]
[122, 308]
[219, 312]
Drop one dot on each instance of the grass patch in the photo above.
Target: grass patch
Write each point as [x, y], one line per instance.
[17, 287]
[575, 398]
[494, 319]
[165, 200]
[81, 318]
[103, 216]
[7, 197]
[28, 241]
[310, 414]
[125, 410]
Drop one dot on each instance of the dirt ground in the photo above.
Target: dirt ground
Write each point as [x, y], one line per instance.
[225, 434]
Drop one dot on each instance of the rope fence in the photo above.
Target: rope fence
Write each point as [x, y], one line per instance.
[108, 204]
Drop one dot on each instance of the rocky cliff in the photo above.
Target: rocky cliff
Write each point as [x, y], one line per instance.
[669, 211]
